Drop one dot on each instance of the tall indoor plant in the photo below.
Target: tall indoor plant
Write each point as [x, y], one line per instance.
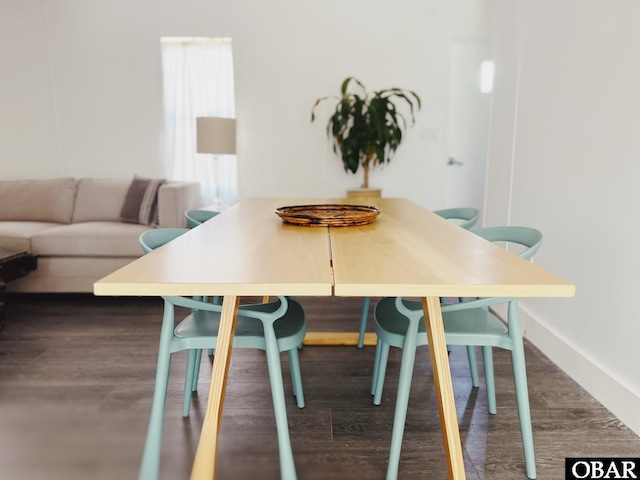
[366, 127]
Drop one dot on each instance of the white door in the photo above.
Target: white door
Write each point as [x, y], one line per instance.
[468, 128]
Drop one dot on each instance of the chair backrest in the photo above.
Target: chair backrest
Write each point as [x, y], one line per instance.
[527, 237]
[468, 215]
[198, 217]
[152, 239]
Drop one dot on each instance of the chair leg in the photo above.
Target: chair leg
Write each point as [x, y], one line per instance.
[382, 370]
[473, 365]
[196, 370]
[294, 381]
[364, 315]
[524, 412]
[402, 402]
[376, 365]
[522, 390]
[216, 301]
[489, 379]
[188, 381]
[296, 376]
[287, 465]
[150, 466]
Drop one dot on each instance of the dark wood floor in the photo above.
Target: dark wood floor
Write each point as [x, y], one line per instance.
[76, 382]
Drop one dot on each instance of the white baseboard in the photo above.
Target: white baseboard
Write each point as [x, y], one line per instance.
[612, 393]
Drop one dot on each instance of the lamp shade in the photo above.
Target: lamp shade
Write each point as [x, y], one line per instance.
[216, 135]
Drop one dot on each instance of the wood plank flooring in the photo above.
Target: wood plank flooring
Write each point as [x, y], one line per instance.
[76, 383]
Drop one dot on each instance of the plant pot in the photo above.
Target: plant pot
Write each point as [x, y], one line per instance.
[364, 193]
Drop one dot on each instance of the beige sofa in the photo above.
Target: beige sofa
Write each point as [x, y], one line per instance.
[76, 227]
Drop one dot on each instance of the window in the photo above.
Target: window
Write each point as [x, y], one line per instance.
[198, 82]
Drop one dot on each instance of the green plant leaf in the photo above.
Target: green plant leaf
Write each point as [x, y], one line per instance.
[367, 127]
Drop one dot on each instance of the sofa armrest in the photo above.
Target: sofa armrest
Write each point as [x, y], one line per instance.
[175, 198]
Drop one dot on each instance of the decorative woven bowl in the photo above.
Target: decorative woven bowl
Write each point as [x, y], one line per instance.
[328, 215]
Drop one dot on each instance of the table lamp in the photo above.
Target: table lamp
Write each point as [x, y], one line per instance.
[216, 135]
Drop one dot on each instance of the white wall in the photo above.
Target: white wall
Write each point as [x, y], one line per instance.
[80, 85]
[79, 89]
[564, 158]
[80, 95]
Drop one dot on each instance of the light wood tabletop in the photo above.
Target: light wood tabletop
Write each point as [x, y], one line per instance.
[245, 251]
[407, 251]
[410, 251]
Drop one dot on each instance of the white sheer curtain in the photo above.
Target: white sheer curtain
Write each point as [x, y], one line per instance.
[198, 82]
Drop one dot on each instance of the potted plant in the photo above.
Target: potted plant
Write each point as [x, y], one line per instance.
[366, 127]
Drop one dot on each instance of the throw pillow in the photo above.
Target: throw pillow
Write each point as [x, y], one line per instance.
[141, 202]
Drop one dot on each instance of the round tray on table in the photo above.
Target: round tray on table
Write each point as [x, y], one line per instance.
[328, 215]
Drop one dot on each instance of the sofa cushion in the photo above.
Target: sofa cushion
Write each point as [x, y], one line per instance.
[38, 200]
[17, 235]
[99, 199]
[141, 201]
[90, 239]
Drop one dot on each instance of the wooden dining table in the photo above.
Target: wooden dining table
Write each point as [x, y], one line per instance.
[407, 251]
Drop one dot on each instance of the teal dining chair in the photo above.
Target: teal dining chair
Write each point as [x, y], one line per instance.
[275, 327]
[149, 241]
[152, 239]
[466, 217]
[195, 218]
[198, 217]
[400, 323]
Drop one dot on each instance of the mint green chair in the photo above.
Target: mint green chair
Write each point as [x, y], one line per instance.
[149, 241]
[152, 239]
[467, 217]
[195, 218]
[464, 217]
[275, 327]
[400, 323]
[198, 217]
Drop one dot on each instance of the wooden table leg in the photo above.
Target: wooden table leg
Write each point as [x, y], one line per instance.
[444, 387]
[204, 465]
